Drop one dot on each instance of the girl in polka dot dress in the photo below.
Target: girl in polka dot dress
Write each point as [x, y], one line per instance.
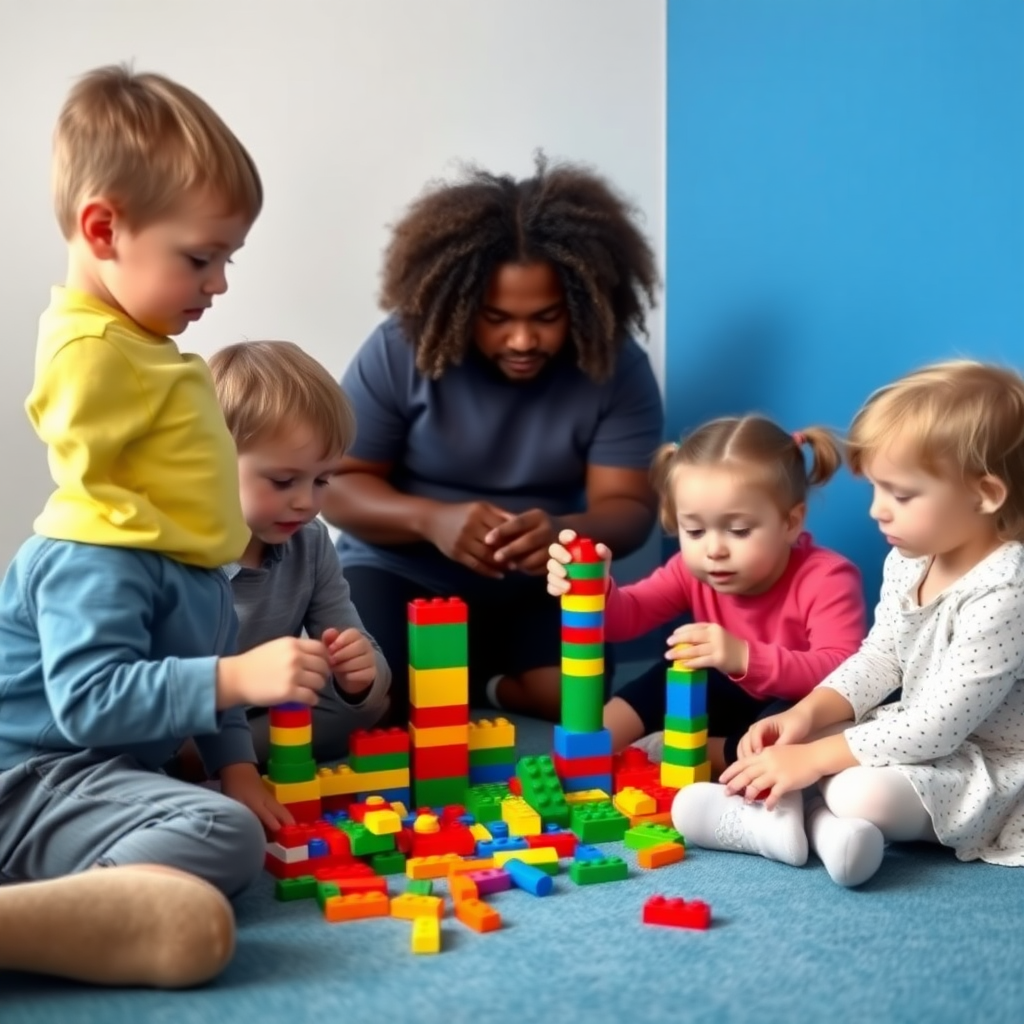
[944, 451]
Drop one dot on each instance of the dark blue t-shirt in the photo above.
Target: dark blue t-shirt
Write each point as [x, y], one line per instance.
[475, 435]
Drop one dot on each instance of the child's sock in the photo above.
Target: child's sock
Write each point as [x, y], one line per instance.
[708, 816]
[132, 925]
[850, 848]
[491, 692]
[653, 745]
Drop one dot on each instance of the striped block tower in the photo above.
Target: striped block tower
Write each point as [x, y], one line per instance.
[686, 727]
[439, 701]
[583, 747]
[492, 751]
[291, 771]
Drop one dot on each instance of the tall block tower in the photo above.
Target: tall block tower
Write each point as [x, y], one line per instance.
[685, 759]
[439, 701]
[291, 771]
[583, 747]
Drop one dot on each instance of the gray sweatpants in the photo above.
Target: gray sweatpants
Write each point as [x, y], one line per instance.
[65, 813]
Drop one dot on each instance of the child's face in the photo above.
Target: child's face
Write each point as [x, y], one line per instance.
[282, 480]
[732, 535]
[918, 513]
[166, 275]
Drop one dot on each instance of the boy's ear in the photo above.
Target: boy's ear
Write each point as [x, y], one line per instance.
[795, 522]
[992, 494]
[97, 223]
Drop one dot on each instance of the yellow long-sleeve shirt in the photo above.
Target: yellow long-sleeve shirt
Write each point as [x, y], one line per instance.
[138, 447]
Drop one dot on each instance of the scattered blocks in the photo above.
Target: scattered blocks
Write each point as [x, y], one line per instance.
[356, 906]
[478, 915]
[598, 822]
[592, 872]
[661, 855]
[675, 912]
[641, 836]
[409, 906]
[426, 935]
[529, 877]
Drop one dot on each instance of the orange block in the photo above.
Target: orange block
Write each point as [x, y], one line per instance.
[478, 915]
[461, 887]
[434, 866]
[409, 906]
[460, 866]
[356, 906]
[660, 855]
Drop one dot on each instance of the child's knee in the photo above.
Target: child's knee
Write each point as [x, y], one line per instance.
[241, 847]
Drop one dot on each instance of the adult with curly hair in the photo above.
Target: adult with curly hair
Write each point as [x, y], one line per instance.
[503, 399]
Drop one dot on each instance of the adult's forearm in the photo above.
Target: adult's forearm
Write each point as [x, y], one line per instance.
[622, 523]
[368, 507]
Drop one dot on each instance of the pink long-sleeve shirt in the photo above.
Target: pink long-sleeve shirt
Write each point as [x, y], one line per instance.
[797, 632]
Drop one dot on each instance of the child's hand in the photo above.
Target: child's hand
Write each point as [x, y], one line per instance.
[352, 659]
[772, 774]
[278, 672]
[559, 558]
[242, 782]
[787, 727]
[709, 646]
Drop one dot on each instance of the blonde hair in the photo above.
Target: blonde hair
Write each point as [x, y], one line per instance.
[959, 416]
[143, 142]
[760, 447]
[266, 386]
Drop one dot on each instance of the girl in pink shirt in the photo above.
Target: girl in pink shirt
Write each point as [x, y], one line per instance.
[773, 613]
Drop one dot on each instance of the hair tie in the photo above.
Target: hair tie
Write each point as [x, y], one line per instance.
[799, 438]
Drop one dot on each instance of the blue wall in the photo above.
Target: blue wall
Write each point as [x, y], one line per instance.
[845, 202]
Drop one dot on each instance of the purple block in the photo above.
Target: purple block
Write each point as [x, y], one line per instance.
[490, 880]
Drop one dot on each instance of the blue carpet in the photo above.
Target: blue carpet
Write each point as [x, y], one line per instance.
[928, 939]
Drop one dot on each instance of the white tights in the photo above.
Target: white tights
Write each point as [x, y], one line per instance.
[883, 796]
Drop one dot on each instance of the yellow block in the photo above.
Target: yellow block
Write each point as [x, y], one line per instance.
[583, 666]
[632, 801]
[294, 737]
[479, 832]
[399, 808]
[521, 818]
[438, 687]
[431, 867]
[439, 735]
[374, 782]
[583, 602]
[487, 734]
[426, 935]
[586, 796]
[685, 740]
[293, 792]
[538, 855]
[679, 775]
[342, 781]
[408, 906]
[382, 823]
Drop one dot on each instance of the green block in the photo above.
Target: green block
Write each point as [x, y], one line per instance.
[363, 841]
[278, 772]
[483, 801]
[582, 703]
[549, 867]
[440, 792]
[678, 677]
[639, 837]
[679, 724]
[325, 890]
[492, 755]
[542, 789]
[378, 762]
[586, 570]
[598, 822]
[389, 862]
[582, 650]
[296, 754]
[590, 872]
[688, 757]
[441, 646]
[301, 888]
[420, 887]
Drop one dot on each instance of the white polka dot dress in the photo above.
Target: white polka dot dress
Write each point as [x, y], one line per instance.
[957, 731]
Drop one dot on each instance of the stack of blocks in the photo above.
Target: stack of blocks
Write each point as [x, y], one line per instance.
[291, 771]
[583, 748]
[492, 751]
[439, 701]
[685, 760]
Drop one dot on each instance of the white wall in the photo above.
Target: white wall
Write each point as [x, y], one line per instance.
[348, 108]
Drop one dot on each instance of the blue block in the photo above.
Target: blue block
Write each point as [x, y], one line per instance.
[573, 745]
[466, 819]
[498, 829]
[403, 795]
[583, 620]
[586, 852]
[528, 877]
[318, 848]
[489, 847]
[582, 782]
[291, 706]
[479, 775]
[335, 816]
[686, 701]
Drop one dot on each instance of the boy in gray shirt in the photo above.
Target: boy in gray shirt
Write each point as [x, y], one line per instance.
[292, 424]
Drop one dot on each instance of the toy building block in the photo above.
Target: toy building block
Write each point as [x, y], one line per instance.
[374, 883]
[443, 645]
[440, 736]
[583, 783]
[686, 740]
[687, 757]
[290, 716]
[591, 872]
[529, 877]
[496, 845]
[382, 822]
[631, 802]
[521, 818]
[676, 913]
[479, 832]
[586, 796]
[577, 766]
[584, 851]
[292, 792]
[306, 811]
[542, 789]
[426, 935]
[484, 801]
[444, 714]
[661, 855]
[598, 823]
[301, 888]
[441, 762]
[469, 865]
[582, 702]
[462, 887]
[572, 744]
[299, 736]
[679, 775]
[563, 843]
[409, 906]
[485, 757]
[438, 792]
[363, 841]
[490, 734]
[289, 854]
[356, 906]
[641, 836]
[439, 687]
[478, 915]
[339, 781]
[420, 887]
[533, 855]
[437, 611]
[378, 742]
[430, 867]
[388, 862]
[452, 838]
[491, 880]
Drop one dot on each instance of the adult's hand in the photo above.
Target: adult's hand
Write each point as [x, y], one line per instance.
[522, 541]
[459, 532]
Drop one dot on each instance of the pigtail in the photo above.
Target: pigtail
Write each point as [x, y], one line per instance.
[664, 462]
[826, 454]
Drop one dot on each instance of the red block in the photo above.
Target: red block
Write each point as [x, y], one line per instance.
[566, 769]
[451, 813]
[588, 588]
[290, 718]
[357, 869]
[580, 635]
[437, 611]
[440, 762]
[366, 743]
[295, 835]
[515, 787]
[338, 803]
[632, 767]
[564, 843]
[582, 549]
[307, 810]
[677, 913]
[452, 839]
[429, 718]
[403, 841]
